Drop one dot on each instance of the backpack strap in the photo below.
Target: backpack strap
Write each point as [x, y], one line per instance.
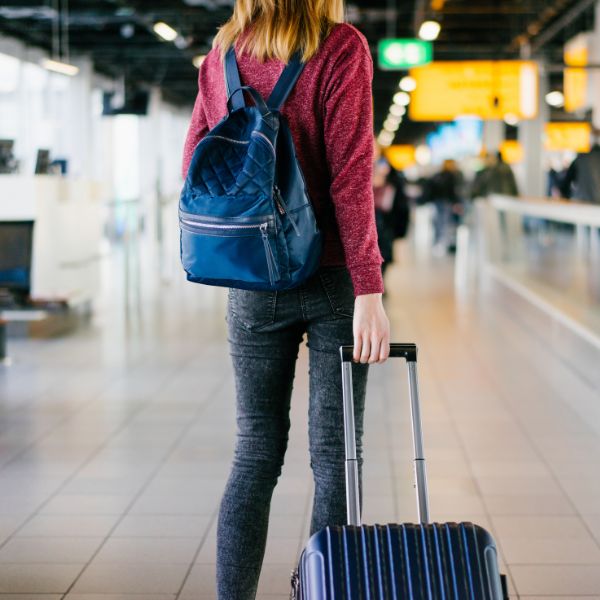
[283, 87]
[232, 80]
[285, 83]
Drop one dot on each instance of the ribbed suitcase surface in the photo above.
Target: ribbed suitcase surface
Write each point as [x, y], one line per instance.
[445, 561]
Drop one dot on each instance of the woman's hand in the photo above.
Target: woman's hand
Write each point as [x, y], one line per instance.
[371, 330]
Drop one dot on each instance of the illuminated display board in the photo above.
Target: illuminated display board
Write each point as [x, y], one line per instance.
[567, 136]
[512, 152]
[401, 156]
[395, 54]
[575, 81]
[480, 88]
[457, 140]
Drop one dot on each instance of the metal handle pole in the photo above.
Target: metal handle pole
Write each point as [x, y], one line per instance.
[408, 352]
[352, 490]
[420, 470]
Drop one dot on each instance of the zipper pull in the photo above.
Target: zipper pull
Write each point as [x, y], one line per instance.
[278, 200]
[281, 207]
[271, 264]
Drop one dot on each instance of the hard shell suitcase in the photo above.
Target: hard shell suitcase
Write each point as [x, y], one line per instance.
[424, 561]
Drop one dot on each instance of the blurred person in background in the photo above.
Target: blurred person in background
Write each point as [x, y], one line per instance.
[582, 179]
[383, 194]
[392, 210]
[445, 191]
[496, 177]
[556, 169]
[401, 208]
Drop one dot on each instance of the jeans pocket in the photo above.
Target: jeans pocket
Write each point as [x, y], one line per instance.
[252, 309]
[338, 287]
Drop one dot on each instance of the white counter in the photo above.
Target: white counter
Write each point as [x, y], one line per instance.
[67, 216]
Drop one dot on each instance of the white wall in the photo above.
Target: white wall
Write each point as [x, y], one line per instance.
[39, 109]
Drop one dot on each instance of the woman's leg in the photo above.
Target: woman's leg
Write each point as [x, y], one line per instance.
[264, 359]
[330, 328]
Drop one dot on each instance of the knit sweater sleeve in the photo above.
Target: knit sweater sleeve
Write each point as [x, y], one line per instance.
[198, 128]
[348, 136]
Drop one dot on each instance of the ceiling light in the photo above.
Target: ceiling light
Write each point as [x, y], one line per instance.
[166, 32]
[385, 135]
[401, 98]
[385, 138]
[429, 30]
[127, 30]
[408, 84]
[397, 110]
[59, 67]
[511, 119]
[390, 125]
[181, 42]
[198, 60]
[423, 155]
[555, 99]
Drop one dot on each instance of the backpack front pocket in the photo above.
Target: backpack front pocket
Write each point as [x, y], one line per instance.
[231, 250]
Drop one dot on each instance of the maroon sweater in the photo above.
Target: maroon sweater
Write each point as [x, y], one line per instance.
[330, 115]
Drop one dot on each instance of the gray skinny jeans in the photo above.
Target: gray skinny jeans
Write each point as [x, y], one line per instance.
[265, 331]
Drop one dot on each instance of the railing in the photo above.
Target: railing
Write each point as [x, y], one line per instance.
[558, 210]
[548, 251]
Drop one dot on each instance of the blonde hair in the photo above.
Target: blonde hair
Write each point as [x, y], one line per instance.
[277, 28]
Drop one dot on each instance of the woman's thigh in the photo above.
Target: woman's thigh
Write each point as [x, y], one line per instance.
[264, 344]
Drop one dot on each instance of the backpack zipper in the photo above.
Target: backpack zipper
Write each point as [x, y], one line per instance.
[281, 207]
[227, 139]
[264, 137]
[278, 200]
[223, 225]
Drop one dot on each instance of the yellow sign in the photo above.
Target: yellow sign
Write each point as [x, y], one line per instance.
[576, 79]
[482, 88]
[512, 152]
[568, 136]
[401, 156]
[575, 86]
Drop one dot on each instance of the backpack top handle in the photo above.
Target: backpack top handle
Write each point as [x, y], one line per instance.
[280, 92]
[258, 99]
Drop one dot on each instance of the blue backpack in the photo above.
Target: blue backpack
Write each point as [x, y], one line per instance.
[245, 216]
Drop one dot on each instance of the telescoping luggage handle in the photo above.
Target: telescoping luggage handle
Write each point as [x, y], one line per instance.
[409, 353]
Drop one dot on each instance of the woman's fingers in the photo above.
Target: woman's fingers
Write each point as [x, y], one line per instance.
[380, 348]
[357, 347]
[365, 350]
[371, 329]
[384, 350]
[376, 340]
[373, 348]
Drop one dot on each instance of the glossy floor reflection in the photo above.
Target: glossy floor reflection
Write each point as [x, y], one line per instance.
[115, 444]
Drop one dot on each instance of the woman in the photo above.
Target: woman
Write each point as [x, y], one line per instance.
[330, 117]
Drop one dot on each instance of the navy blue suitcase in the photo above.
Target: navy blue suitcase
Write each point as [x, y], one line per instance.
[424, 561]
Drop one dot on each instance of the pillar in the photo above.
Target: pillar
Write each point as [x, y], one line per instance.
[493, 135]
[531, 135]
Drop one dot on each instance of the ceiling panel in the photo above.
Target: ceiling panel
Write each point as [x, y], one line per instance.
[118, 35]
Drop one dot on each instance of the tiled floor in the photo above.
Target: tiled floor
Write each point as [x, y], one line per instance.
[115, 443]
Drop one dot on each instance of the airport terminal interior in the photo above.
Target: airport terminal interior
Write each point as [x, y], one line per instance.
[117, 398]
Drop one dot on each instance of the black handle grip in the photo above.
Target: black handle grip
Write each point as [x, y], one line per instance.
[406, 351]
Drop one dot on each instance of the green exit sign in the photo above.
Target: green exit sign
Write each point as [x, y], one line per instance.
[398, 54]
